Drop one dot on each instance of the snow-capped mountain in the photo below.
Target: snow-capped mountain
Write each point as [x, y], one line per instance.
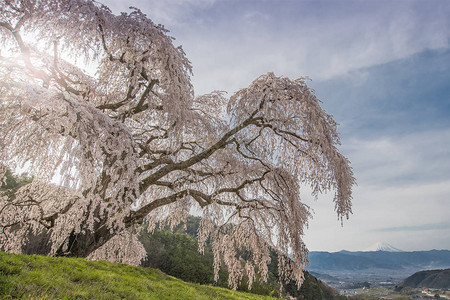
[381, 246]
[378, 262]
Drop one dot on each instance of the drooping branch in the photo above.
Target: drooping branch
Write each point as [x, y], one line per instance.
[132, 142]
[220, 144]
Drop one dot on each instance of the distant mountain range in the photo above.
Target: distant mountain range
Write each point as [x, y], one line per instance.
[379, 265]
[346, 260]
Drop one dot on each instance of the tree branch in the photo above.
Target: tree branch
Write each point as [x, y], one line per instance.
[196, 158]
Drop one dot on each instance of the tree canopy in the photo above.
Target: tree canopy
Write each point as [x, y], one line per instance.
[127, 142]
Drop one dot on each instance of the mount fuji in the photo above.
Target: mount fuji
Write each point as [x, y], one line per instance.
[380, 262]
[381, 246]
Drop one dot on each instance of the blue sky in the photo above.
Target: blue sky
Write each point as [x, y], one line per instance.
[381, 68]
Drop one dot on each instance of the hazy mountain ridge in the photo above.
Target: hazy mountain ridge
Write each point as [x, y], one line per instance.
[346, 260]
[342, 269]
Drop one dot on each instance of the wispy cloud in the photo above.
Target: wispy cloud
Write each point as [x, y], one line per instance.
[230, 43]
[299, 38]
[424, 227]
[377, 208]
[401, 160]
[170, 13]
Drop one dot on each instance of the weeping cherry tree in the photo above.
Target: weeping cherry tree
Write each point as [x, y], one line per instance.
[127, 143]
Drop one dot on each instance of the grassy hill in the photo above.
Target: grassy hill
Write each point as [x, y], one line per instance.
[42, 277]
[438, 279]
[173, 253]
[176, 253]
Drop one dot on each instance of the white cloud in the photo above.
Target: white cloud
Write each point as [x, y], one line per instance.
[230, 43]
[317, 48]
[402, 196]
[167, 12]
[410, 210]
[399, 160]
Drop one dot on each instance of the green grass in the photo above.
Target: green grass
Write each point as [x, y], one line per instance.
[42, 277]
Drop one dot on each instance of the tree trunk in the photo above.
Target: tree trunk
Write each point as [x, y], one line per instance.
[84, 243]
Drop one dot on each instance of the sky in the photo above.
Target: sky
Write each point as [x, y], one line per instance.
[381, 68]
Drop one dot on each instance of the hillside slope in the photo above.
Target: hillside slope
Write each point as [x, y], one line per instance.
[176, 253]
[34, 276]
[437, 279]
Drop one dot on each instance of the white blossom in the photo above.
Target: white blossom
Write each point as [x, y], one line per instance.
[132, 143]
